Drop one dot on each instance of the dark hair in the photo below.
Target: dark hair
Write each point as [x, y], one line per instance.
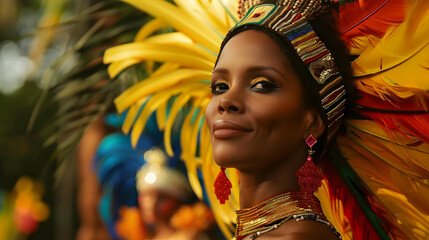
[324, 26]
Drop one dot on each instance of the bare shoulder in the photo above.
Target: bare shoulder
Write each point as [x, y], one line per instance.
[302, 230]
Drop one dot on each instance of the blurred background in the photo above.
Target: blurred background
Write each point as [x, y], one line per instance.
[55, 109]
[27, 197]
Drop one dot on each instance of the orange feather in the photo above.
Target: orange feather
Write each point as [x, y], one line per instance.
[370, 17]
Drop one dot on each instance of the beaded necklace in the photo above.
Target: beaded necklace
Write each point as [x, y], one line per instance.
[269, 214]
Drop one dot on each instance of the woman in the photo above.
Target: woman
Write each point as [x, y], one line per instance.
[273, 97]
[262, 106]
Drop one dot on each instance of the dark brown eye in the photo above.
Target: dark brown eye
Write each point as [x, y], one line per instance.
[219, 87]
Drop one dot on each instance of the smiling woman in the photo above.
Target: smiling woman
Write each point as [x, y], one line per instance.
[260, 105]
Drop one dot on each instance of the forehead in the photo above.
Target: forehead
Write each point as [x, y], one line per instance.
[255, 48]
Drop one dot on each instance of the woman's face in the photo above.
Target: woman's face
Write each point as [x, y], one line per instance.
[257, 115]
[156, 206]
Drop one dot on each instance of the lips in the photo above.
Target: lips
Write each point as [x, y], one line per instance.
[225, 129]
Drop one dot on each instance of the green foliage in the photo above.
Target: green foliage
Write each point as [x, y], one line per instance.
[22, 152]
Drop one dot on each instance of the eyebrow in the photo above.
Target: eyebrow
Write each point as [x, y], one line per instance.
[250, 69]
[264, 68]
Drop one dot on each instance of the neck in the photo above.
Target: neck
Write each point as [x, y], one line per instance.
[257, 186]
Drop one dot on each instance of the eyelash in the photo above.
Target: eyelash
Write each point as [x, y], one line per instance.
[215, 84]
[268, 85]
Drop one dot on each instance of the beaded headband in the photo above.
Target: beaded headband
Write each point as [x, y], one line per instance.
[289, 20]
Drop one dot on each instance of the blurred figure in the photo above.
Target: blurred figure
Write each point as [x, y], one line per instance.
[163, 192]
[89, 190]
[144, 194]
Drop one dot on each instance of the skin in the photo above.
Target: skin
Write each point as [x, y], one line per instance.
[255, 88]
[157, 209]
[89, 190]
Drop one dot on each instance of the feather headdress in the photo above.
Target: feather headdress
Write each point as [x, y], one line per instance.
[384, 151]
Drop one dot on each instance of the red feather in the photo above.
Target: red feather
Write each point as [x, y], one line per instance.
[370, 17]
[359, 224]
[402, 116]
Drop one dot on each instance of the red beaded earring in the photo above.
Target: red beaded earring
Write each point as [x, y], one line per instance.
[222, 186]
[309, 176]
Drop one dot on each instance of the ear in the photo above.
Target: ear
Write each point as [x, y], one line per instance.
[314, 124]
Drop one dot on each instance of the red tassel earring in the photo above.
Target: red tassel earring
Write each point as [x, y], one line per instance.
[222, 186]
[309, 176]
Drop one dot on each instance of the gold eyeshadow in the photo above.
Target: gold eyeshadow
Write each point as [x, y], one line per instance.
[259, 79]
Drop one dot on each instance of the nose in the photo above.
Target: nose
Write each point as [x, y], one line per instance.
[231, 102]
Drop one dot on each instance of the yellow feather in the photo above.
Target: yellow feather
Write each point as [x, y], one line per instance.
[189, 160]
[170, 42]
[157, 83]
[211, 12]
[385, 182]
[182, 54]
[179, 102]
[149, 28]
[151, 105]
[334, 211]
[169, 38]
[199, 93]
[165, 68]
[205, 141]
[150, 66]
[377, 86]
[117, 67]
[411, 220]
[234, 177]
[412, 190]
[392, 156]
[401, 155]
[161, 114]
[184, 136]
[181, 21]
[359, 44]
[131, 115]
[191, 166]
[398, 63]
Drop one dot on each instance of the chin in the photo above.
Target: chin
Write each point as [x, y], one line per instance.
[225, 162]
[229, 159]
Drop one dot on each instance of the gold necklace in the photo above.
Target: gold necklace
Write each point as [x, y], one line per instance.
[269, 214]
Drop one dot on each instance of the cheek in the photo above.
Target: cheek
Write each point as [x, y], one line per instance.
[281, 122]
[166, 207]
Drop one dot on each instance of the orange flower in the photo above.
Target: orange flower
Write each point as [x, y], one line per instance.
[130, 225]
[29, 209]
[192, 218]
